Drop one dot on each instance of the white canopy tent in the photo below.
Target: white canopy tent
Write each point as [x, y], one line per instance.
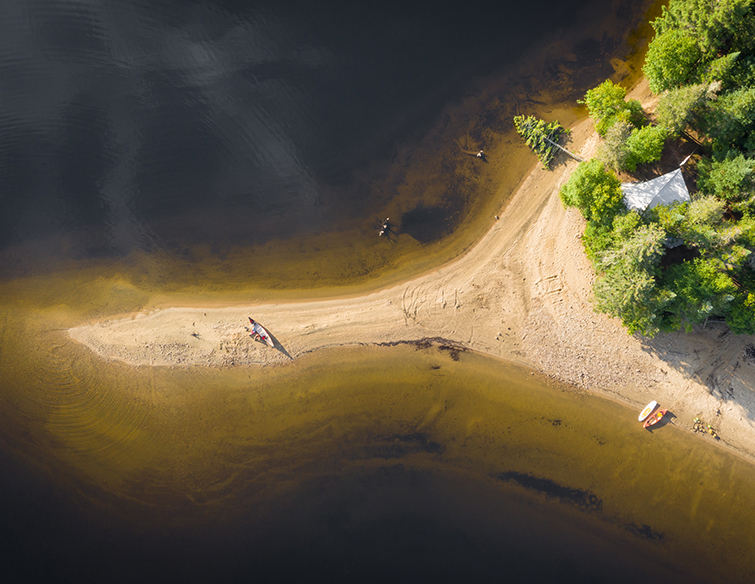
[663, 190]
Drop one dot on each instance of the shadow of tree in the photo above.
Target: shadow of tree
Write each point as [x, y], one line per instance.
[714, 357]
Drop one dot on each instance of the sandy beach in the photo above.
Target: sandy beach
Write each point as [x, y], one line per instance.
[522, 293]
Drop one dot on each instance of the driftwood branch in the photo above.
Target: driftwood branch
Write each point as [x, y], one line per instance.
[564, 149]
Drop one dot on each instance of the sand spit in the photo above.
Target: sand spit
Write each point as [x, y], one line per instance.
[522, 294]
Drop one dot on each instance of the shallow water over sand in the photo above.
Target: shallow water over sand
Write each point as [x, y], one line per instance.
[413, 461]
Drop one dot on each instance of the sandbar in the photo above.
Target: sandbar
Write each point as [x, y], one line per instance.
[522, 293]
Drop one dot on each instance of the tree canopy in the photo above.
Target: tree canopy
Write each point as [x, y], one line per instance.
[595, 191]
[717, 26]
[540, 135]
[671, 60]
[676, 266]
[607, 106]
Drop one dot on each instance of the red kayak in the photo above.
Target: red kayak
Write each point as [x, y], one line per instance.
[260, 332]
[654, 419]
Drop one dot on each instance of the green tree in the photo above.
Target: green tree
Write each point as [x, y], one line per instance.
[743, 72]
[613, 152]
[644, 145]
[703, 226]
[731, 179]
[741, 317]
[627, 287]
[679, 108]
[599, 237]
[721, 69]
[730, 119]
[595, 191]
[701, 288]
[746, 237]
[540, 136]
[671, 60]
[719, 26]
[606, 106]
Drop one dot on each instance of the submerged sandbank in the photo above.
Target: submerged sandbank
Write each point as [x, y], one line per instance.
[521, 294]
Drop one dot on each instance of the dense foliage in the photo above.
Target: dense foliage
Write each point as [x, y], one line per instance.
[629, 141]
[671, 60]
[679, 108]
[594, 191]
[607, 106]
[644, 145]
[679, 265]
[540, 135]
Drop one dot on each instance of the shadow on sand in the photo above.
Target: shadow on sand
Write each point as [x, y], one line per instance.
[276, 343]
[714, 357]
[667, 419]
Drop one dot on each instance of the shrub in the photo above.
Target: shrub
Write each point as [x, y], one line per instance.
[644, 145]
[606, 106]
[595, 191]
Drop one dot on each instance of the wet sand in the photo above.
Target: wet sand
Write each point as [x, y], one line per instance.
[520, 294]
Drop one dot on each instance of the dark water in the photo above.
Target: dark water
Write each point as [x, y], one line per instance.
[141, 126]
[452, 467]
[140, 129]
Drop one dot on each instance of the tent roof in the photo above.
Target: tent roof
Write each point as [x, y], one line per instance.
[663, 190]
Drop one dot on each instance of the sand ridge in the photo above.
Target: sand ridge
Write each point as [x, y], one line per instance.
[522, 294]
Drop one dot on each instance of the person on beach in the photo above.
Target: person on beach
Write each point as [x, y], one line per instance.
[253, 333]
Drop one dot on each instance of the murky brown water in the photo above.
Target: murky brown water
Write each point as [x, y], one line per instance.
[352, 458]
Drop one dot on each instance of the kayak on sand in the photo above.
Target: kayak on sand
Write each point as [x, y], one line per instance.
[654, 419]
[259, 331]
[647, 410]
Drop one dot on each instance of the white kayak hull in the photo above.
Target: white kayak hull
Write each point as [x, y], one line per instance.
[647, 410]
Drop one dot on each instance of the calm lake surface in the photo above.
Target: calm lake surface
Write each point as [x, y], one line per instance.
[235, 151]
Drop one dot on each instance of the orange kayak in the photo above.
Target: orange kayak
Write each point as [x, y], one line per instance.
[654, 419]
